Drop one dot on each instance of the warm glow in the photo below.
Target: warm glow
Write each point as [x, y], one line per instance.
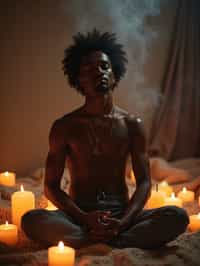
[6, 222]
[198, 215]
[61, 246]
[61, 255]
[22, 188]
[184, 189]
[21, 202]
[164, 183]
[172, 195]
[6, 173]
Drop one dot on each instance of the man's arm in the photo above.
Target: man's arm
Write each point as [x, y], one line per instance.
[140, 164]
[55, 164]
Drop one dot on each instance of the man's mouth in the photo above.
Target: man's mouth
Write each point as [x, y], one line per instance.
[102, 85]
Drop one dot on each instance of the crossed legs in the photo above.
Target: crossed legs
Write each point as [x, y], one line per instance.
[150, 229]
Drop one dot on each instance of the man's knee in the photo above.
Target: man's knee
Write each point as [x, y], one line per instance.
[29, 219]
[179, 217]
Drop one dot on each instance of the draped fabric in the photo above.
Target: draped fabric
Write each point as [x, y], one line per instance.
[175, 132]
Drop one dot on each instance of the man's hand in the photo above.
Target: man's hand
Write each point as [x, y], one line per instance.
[101, 227]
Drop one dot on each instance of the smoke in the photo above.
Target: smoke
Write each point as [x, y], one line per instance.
[127, 19]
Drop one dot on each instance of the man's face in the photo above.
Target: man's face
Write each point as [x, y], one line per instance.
[96, 76]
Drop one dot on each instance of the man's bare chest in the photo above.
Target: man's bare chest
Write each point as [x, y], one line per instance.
[100, 135]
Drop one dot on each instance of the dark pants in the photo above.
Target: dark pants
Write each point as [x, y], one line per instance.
[150, 229]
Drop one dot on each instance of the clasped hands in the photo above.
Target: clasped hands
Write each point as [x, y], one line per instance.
[101, 226]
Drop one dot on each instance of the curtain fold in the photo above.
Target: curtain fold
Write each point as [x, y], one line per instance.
[175, 132]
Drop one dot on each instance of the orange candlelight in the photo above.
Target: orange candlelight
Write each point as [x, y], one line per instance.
[61, 255]
[21, 202]
[173, 201]
[186, 195]
[8, 234]
[7, 179]
[194, 224]
[164, 186]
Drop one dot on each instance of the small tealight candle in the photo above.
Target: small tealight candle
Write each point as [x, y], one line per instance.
[164, 186]
[156, 200]
[7, 179]
[51, 206]
[194, 224]
[61, 255]
[21, 202]
[173, 201]
[186, 195]
[8, 234]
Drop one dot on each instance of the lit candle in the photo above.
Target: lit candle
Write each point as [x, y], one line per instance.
[132, 177]
[156, 200]
[186, 195]
[8, 234]
[61, 255]
[164, 186]
[194, 224]
[7, 179]
[173, 201]
[51, 206]
[21, 202]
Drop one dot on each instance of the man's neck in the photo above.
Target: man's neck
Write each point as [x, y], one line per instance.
[101, 105]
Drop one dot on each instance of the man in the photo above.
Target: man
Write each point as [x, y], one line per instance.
[95, 141]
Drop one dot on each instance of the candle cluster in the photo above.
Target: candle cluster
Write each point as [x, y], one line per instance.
[163, 195]
[21, 202]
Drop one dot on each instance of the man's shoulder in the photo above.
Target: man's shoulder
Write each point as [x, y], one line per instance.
[64, 122]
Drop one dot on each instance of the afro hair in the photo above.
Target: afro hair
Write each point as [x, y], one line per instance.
[85, 44]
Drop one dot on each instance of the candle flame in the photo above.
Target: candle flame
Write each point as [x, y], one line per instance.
[6, 222]
[61, 245]
[172, 195]
[6, 173]
[164, 183]
[184, 189]
[22, 188]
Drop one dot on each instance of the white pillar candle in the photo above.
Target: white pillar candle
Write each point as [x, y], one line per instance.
[21, 202]
[156, 200]
[7, 179]
[8, 234]
[164, 186]
[61, 255]
[194, 224]
[186, 195]
[173, 201]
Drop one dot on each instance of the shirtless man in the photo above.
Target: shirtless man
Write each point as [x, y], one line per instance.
[95, 141]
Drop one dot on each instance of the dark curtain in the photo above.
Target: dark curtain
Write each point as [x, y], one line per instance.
[175, 132]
